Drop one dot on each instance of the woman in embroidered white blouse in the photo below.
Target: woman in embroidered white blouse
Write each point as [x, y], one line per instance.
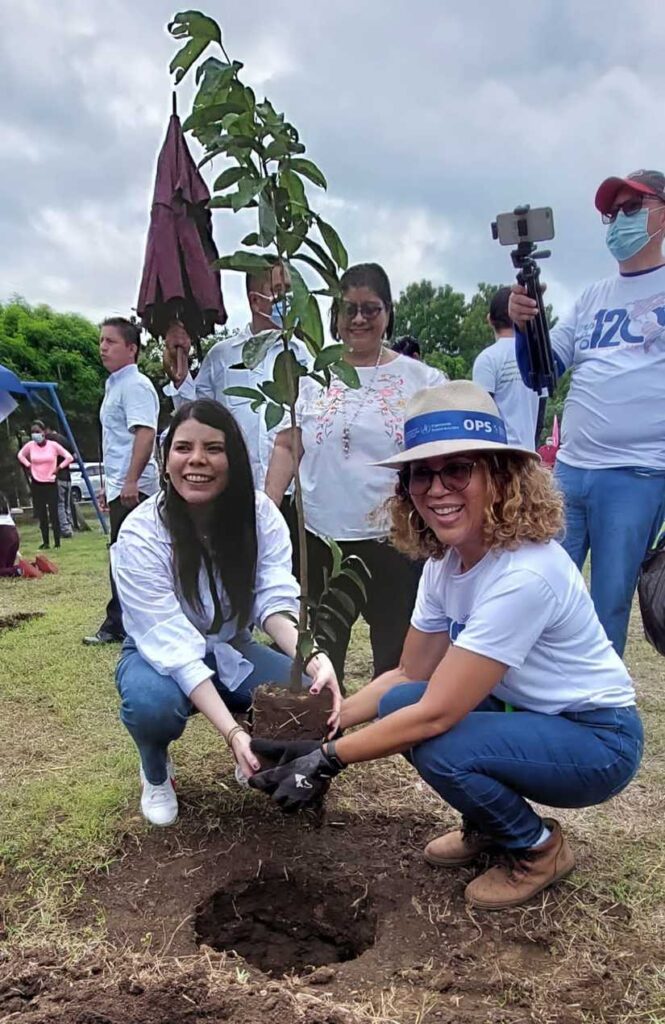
[195, 566]
[343, 434]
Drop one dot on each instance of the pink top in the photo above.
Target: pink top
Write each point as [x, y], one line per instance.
[42, 460]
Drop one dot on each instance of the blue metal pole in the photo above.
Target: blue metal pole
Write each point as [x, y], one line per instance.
[52, 390]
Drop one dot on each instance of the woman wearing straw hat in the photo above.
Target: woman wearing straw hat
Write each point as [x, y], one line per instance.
[503, 623]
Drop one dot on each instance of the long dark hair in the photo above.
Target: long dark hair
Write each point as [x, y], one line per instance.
[4, 505]
[233, 547]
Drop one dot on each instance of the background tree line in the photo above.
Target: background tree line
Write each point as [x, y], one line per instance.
[38, 343]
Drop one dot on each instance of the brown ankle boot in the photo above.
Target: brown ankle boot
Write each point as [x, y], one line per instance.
[454, 849]
[523, 874]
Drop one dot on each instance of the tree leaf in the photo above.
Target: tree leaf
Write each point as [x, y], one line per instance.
[255, 349]
[200, 30]
[337, 556]
[294, 186]
[329, 610]
[334, 243]
[229, 177]
[240, 392]
[267, 221]
[347, 374]
[329, 278]
[327, 630]
[346, 602]
[220, 203]
[319, 251]
[305, 646]
[248, 189]
[311, 323]
[310, 170]
[355, 578]
[245, 262]
[287, 373]
[300, 291]
[251, 239]
[275, 392]
[329, 354]
[274, 415]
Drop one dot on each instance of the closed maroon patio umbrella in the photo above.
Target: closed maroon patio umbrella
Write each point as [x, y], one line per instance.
[178, 282]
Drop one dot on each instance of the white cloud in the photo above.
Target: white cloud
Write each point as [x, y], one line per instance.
[427, 118]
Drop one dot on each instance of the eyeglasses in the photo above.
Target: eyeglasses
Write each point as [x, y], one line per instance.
[629, 207]
[454, 476]
[367, 310]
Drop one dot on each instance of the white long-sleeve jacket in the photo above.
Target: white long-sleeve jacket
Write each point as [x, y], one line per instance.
[170, 634]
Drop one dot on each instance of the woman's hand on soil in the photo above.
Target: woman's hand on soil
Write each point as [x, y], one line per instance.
[242, 751]
[323, 675]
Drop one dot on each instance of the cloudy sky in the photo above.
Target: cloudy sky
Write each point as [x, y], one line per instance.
[428, 117]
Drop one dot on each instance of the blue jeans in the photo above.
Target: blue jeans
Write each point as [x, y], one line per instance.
[617, 515]
[155, 710]
[489, 762]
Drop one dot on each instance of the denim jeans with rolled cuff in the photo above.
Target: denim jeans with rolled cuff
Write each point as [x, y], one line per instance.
[492, 763]
[155, 710]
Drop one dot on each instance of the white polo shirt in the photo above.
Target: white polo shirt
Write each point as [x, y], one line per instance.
[130, 401]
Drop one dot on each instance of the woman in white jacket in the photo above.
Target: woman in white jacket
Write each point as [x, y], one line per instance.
[195, 566]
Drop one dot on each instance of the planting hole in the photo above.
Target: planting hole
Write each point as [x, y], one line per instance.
[286, 924]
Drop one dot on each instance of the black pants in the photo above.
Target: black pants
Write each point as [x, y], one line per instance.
[113, 621]
[45, 506]
[391, 593]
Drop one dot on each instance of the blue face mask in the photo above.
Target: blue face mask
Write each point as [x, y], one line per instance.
[277, 313]
[37, 438]
[277, 309]
[626, 236]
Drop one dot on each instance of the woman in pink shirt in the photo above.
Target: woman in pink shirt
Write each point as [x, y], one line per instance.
[41, 458]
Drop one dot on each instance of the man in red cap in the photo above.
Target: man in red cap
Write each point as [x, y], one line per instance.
[611, 462]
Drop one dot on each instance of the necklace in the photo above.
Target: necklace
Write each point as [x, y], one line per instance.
[348, 423]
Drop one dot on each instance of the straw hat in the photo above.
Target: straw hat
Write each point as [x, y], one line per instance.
[451, 418]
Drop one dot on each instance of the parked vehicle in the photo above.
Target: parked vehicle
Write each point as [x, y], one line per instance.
[95, 472]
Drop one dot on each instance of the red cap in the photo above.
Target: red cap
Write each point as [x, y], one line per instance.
[651, 183]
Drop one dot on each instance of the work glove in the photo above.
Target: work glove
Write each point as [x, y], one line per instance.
[283, 751]
[296, 782]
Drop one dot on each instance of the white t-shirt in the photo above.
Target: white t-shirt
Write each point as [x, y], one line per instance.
[496, 370]
[130, 401]
[223, 368]
[614, 338]
[6, 519]
[529, 609]
[341, 491]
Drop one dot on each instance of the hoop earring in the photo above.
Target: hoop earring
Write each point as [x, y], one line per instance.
[415, 529]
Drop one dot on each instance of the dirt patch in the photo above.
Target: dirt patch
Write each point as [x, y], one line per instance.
[90, 993]
[288, 923]
[17, 619]
[281, 893]
[282, 715]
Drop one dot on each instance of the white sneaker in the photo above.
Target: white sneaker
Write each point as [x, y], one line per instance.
[159, 804]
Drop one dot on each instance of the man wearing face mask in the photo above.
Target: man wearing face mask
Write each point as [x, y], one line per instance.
[611, 463]
[223, 367]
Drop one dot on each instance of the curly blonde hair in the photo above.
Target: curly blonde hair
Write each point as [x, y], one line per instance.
[522, 505]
